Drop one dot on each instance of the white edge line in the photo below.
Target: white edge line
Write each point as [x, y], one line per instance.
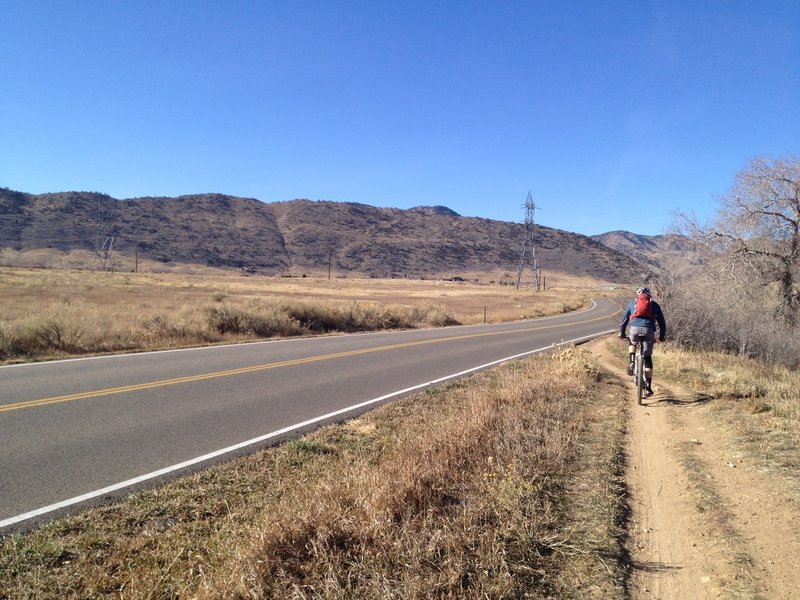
[206, 457]
[289, 339]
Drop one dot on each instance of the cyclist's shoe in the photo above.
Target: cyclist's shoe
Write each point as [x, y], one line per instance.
[648, 391]
[630, 368]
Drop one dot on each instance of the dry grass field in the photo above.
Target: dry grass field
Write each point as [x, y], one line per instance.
[52, 313]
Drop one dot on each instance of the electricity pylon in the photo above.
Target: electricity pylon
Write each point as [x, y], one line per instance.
[528, 258]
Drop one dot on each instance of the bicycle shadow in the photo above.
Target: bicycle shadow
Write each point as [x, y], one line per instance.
[653, 567]
[670, 398]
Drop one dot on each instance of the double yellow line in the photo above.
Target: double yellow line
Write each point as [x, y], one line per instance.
[255, 369]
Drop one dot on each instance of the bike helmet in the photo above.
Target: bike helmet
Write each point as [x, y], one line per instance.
[643, 290]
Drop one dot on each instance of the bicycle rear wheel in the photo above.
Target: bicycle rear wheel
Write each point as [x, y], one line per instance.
[639, 374]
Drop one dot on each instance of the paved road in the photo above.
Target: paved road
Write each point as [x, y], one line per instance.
[77, 430]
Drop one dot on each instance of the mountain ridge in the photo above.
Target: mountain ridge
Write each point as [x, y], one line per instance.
[226, 231]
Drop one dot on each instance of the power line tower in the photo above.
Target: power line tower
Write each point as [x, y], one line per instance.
[105, 252]
[528, 258]
[104, 240]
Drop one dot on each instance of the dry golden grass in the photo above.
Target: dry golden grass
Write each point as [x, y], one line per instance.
[505, 485]
[47, 313]
[760, 400]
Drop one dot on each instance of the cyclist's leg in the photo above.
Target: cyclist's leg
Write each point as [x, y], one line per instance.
[647, 353]
[631, 352]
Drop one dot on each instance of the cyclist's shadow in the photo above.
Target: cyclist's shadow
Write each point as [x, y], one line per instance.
[668, 397]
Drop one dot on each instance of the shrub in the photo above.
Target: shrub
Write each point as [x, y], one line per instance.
[57, 331]
[180, 327]
[711, 315]
[434, 316]
[317, 317]
[6, 344]
[57, 334]
[258, 321]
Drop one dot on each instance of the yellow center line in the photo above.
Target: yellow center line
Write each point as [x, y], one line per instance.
[254, 369]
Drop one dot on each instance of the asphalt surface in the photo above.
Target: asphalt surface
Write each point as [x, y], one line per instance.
[81, 431]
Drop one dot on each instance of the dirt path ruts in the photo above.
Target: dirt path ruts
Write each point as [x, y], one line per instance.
[703, 523]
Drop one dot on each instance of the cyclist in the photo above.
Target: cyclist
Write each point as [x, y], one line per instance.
[643, 313]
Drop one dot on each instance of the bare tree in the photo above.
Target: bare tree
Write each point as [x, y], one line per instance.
[757, 228]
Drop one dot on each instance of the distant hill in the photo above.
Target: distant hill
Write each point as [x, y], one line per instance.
[670, 251]
[296, 236]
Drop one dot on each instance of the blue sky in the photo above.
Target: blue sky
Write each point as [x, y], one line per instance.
[613, 114]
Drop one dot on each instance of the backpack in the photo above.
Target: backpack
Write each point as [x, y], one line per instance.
[644, 307]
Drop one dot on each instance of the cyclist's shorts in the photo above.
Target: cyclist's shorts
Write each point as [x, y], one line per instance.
[647, 347]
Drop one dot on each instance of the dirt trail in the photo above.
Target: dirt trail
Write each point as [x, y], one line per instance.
[703, 523]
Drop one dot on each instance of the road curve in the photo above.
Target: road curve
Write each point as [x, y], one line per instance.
[79, 430]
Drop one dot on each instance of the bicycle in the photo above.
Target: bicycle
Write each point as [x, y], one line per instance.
[638, 370]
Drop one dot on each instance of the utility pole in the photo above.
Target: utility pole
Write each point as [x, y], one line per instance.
[528, 258]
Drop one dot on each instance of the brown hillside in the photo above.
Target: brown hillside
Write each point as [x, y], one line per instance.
[295, 236]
